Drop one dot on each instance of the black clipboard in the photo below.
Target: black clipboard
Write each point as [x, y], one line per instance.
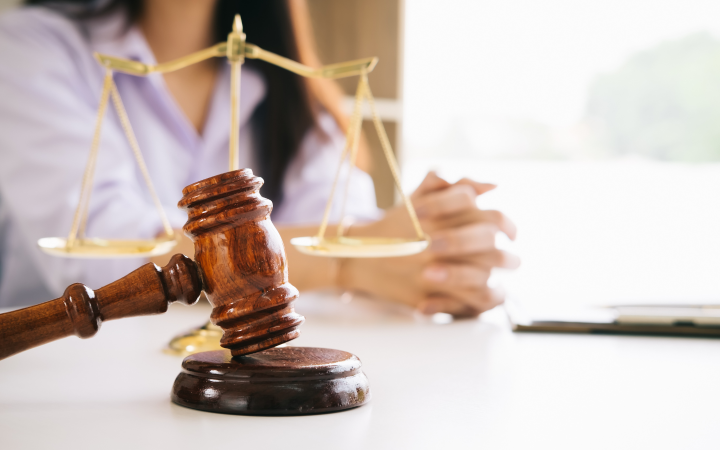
[658, 320]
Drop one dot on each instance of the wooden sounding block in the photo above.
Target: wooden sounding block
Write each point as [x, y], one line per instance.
[240, 264]
[278, 381]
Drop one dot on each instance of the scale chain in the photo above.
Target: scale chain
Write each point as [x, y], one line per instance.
[127, 128]
[353, 130]
[81, 213]
[363, 91]
[356, 135]
[80, 217]
[389, 155]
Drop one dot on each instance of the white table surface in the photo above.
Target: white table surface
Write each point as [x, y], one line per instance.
[467, 384]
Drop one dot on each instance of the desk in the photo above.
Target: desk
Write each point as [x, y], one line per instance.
[467, 384]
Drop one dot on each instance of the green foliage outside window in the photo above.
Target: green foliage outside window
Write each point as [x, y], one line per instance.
[663, 103]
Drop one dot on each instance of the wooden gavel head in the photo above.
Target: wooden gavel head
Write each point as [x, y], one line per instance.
[241, 260]
[239, 263]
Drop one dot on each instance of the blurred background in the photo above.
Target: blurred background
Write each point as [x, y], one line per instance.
[598, 119]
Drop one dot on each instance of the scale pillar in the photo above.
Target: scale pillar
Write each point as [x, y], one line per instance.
[236, 56]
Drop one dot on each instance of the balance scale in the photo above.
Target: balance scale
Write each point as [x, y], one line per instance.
[235, 49]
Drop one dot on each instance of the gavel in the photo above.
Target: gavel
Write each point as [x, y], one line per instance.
[239, 263]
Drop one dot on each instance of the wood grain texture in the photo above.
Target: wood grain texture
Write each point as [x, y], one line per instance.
[278, 381]
[242, 262]
[352, 29]
[80, 311]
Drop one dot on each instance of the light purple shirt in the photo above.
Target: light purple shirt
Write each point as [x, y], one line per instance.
[49, 92]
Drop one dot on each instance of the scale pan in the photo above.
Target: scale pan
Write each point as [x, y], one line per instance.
[107, 248]
[358, 247]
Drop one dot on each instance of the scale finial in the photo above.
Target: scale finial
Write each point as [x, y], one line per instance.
[237, 24]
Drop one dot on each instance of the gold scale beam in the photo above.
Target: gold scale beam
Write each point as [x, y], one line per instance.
[241, 49]
[236, 49]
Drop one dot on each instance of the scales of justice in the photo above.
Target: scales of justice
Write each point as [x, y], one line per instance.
[239, 265]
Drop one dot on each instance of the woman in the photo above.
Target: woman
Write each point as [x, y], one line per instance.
[291, 134]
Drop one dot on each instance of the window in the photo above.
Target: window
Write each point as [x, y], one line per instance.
[599, 120]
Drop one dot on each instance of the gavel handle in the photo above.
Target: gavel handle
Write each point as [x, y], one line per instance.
[80, 311]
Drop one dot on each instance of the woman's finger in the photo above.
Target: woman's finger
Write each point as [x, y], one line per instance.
[480, 188]
[501, 221]
[483, 299]
[462, 303]
[486, 260]
[466, 240]
[430, 183]
[471, 216]
[497, 258]
[452, 200]
[450, 276]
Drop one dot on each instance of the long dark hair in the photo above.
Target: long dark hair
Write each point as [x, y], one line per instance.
[290, 108]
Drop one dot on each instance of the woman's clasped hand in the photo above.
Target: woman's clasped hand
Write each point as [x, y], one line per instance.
[451, 276]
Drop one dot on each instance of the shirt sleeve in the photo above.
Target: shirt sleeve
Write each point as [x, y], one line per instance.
[50, 89]
[309, 180]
